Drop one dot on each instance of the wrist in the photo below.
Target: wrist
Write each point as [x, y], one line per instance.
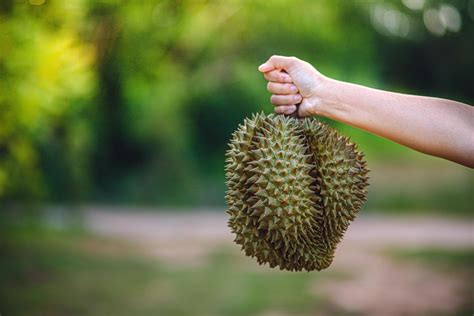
[326, 101]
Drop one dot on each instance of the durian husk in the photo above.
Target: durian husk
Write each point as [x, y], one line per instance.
[294, 187]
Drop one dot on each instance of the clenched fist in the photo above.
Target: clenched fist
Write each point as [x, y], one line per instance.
[294, 84]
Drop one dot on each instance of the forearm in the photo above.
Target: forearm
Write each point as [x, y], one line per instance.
[433, 126]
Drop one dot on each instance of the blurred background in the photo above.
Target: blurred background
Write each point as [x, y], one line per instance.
[114, 120]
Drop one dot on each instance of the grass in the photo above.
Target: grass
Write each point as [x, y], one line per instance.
[451, 259]
[449, 201]
[46, 272]
[54, 273]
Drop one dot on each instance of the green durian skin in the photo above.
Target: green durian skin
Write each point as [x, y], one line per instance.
[294, 186]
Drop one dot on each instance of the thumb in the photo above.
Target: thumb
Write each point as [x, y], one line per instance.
[277, 62]
[305, 108]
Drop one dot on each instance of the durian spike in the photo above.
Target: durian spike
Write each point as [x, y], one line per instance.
[294, 187]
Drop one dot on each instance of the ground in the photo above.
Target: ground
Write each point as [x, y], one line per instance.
[380, 286]
[144, 262]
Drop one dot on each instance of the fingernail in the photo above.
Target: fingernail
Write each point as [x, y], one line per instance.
[294, 89]
[297, 97]
[262, 67]
[288, 79]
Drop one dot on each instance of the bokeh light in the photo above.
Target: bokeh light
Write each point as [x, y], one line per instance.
[414, 4]
[433, 22]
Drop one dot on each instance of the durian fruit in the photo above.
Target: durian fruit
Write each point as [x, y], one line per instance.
[294, 186]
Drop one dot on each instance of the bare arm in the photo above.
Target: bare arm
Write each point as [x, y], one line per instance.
[437, 127]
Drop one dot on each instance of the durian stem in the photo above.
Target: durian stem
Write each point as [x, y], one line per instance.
[295, 113]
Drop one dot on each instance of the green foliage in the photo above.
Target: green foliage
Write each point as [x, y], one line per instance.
[122, 101]
[46, 69]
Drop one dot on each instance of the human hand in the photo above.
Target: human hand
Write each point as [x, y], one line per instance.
[294, 84]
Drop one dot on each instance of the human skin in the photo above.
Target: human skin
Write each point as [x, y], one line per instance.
[437, 127]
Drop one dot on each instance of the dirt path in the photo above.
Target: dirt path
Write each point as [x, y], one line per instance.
[191, 234]
[380, 287]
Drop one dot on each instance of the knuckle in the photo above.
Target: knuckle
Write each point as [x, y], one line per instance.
[293, 59]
